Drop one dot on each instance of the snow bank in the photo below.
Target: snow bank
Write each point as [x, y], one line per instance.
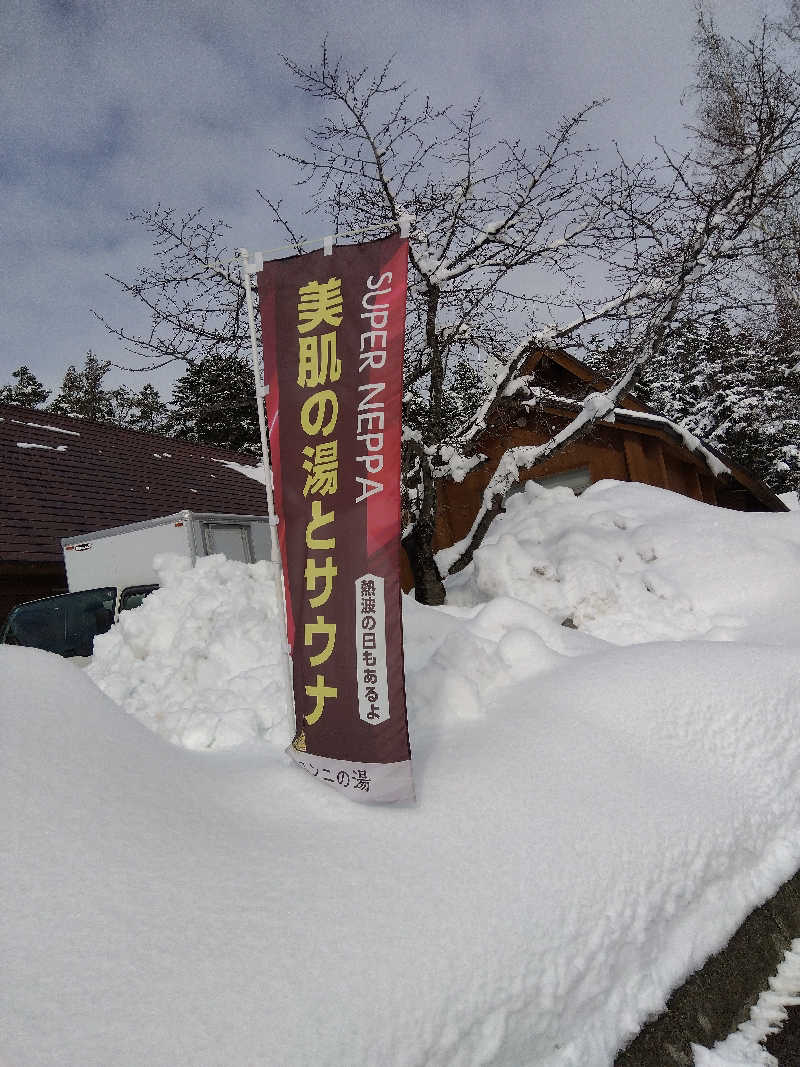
[630, 563]
[578, 847]
[201, 661]
[593, 820]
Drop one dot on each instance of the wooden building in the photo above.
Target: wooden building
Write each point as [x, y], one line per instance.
[637, 446]
[61, 476]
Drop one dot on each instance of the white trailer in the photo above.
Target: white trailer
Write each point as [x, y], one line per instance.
[123, 555]
[110, 571]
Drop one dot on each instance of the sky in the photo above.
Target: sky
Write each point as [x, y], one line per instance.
[113, 108]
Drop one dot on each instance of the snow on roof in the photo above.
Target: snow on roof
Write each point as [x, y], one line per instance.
[637, 414]
[694, 444]
[248, 470]
[49, 448]
[45, 426]
[688, 439]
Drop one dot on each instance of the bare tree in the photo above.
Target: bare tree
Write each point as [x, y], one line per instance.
[194, 300]
[484, 214]
[492, 220]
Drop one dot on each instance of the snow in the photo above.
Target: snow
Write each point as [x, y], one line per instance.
[694, 444]
[256, 472]
[595, 404]
[598, 809]
[44, 426]
[47, 448]
[744, 1047]
[630, 563]
[790, 500]
[725, 386]
[201, 661]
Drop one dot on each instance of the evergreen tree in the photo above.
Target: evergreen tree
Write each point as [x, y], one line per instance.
[28, 391]
[144, 410]
[214, 402]
[733, 390]
[82, 394]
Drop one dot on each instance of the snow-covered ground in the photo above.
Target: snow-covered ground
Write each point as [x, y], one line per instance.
[598, 809]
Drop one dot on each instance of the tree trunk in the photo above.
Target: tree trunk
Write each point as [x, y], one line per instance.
[418, 543]
[428, 584]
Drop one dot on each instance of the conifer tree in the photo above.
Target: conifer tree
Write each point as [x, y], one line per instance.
[213, 402]
[83, 396]
[735, 391]
[144, 410]
[27, 391]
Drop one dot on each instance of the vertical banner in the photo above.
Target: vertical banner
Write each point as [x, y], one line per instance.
[333, 331]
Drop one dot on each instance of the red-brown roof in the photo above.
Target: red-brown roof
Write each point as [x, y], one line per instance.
[81, 476]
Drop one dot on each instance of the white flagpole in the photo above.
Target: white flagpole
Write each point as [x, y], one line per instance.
[261, 391]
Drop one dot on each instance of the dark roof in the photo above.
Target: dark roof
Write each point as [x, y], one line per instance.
[84, 476]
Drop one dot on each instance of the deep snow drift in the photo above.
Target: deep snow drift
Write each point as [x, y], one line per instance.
[630, 563]
[594, 818]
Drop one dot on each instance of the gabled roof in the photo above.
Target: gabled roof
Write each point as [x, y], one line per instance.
[633, 413]
[591, 379]
[62, 476]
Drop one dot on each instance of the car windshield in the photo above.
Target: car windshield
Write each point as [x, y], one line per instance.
[134, 595]
[64, 624]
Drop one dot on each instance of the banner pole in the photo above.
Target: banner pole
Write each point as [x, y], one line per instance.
[261, 392]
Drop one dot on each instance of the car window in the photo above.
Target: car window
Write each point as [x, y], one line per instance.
[134, 595]
[64, 624]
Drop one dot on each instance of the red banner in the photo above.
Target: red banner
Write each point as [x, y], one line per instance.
[333, 330]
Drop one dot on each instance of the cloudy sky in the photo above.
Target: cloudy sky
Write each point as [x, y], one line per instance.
[110, 107]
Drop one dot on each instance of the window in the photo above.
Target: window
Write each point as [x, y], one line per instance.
[577, 479]
[66, 625]
[231, 539]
